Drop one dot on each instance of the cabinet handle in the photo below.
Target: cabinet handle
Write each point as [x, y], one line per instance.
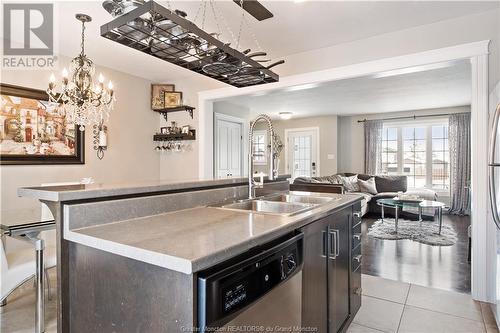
[337, 243]
[325, 244]
[358, 258]
[357, 214]
[356, 236]
[334, 244]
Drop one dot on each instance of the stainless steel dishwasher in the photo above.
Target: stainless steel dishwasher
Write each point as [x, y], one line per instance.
[260, 291]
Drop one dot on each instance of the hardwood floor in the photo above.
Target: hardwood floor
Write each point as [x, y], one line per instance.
[443, 267]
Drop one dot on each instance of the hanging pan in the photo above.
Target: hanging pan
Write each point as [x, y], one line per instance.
[248, 76]
[224, 65]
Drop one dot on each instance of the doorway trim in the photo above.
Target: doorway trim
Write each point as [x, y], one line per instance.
[483, 240]
[222, 116]
[300, 129]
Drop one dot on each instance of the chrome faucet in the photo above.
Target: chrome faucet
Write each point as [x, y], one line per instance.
[273, 172]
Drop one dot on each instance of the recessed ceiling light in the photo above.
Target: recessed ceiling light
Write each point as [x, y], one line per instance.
[285, 115]
[303, 87]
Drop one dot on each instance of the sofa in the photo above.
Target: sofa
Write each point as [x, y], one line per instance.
[387, 186]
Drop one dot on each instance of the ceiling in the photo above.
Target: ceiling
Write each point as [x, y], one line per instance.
[447, 85]
[298, 26]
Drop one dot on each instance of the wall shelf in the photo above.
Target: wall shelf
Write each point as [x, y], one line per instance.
[177, 137]
[166, 111]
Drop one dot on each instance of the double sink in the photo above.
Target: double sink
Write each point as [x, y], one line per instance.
[279, 204]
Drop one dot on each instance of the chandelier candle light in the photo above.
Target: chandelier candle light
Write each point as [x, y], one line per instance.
[84, 103]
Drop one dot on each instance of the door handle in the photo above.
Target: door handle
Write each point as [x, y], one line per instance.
[358, 258]
[356, 236]
[357, 214]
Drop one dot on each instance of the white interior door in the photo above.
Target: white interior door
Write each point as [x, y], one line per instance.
[302, 147]
[228, 149]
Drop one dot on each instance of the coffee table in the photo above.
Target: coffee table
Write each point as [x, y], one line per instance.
[400, 204]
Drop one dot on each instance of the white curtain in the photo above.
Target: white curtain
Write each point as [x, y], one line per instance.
[459, 143]
[373, 146]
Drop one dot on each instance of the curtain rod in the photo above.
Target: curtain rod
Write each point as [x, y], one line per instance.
[413, 117]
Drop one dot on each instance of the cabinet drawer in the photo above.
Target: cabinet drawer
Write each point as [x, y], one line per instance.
[356, 235]
[355, 291]
[356, 258]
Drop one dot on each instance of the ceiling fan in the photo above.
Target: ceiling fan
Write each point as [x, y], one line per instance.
[254, 8]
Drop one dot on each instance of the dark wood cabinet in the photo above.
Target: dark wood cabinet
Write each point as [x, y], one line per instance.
[331, 283]
[338, 269]
[314, 276]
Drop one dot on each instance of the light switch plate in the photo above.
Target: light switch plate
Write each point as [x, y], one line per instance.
[331, 156]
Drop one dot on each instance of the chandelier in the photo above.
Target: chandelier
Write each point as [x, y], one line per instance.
[84, 102]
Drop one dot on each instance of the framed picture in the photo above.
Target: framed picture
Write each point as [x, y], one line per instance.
[158, 95]
[186, 129]
[36, 131]
[173, 99]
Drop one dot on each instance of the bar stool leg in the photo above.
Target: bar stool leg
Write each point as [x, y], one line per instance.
[396, 218]
[440, 216]
[40, 302]
[382, 206]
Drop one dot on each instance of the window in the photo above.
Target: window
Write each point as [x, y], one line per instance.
[390, 150]
[419, 151]
[260, 147]
[440, 157]
[414, 156]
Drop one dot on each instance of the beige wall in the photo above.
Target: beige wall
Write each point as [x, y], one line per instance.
[184, 165]
[130, 155]
[351, 135]
[327, 140]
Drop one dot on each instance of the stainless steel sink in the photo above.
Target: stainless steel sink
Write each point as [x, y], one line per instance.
[270, 207]
[299, 199]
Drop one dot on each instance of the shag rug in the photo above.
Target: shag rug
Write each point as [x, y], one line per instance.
[425, 232]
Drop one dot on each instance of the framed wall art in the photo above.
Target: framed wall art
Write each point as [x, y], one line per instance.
[173, 99]
[158, 95]
[36, 131]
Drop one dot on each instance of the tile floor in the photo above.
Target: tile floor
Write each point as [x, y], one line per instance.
[392, 306]
[388, 306]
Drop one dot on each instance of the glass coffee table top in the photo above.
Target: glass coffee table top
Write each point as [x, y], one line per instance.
[399, 203]
[405, 203]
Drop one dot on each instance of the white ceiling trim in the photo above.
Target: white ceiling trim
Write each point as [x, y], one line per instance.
[458, 52]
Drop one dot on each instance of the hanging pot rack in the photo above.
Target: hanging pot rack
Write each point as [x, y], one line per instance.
[181, 42]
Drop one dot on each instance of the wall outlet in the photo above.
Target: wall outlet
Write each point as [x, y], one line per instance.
[330, 156]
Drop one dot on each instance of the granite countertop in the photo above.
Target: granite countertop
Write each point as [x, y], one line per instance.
[101, 190]
[194, 239]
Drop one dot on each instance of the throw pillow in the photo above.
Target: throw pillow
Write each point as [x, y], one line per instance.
[367, 186]
[350, 183]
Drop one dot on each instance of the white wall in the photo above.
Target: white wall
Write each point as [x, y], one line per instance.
[466, 29]
[130, 155]
[351, 135]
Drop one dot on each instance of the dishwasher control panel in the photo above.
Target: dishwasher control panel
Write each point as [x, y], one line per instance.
[234, 297]
[227, 290]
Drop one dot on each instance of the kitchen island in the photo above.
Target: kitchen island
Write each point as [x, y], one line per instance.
[130, 256]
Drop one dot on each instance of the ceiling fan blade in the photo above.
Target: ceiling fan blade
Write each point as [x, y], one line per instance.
[255, 8]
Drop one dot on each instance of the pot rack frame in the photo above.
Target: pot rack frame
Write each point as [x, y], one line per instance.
[173, 53]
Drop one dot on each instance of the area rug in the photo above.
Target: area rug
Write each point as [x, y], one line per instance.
[425, 232]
